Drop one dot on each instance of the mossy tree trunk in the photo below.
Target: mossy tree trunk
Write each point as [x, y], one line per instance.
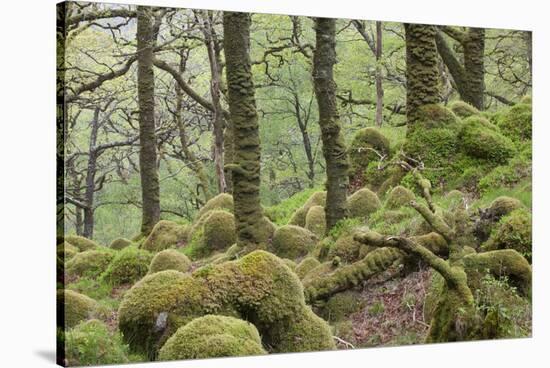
[90, 178]
[245, 168]
[334, 149]
[150, 192]
[378, 77]
[422, 71]
[469, 76]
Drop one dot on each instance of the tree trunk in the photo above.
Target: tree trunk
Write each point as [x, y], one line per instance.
[90, 179]
[474, 52]
[422, 72]
[334, 149]
[379, 87]
[246, 138]
[150, 192]
[302, 124]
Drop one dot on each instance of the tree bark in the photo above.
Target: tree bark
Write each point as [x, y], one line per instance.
[379, 87]
[90, 179]
[422, 71]
[150, 192]
[334, 149]
[246, 138]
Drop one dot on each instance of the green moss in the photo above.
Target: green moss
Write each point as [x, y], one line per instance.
[526, 100]
[398, 197]
[366, 146]
[213, 336]
[481, 139]
[91, 343]
[81, 242]
[434, 242]
[120, 243]
[347, 249]
[282, 212]
[436, 116]
[506, 176]
[362, 203]
[222, 201]
[78, 307]
[463, 109]
[306, 265]
[293, 242]
[341, 306]
[514, 231]
[90, 263]
[502, 206]
[290, 264]
[129, 265]
[516, 123]
[66, 250]
[316, 221]
[170, 259]
[219, 230]
[299, 216]
[165, 234]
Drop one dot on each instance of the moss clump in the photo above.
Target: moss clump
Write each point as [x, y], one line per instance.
[516, 123]
[514, 231]
[481, 139]
[366, 146]
[316, 221]
[398, 197]
[91, 343]
[362, 203]
[222, 201]
[437, 116]
[219, 230]
[347, 249]
[90, 263]
[120, 243]
[299, 217]
[293, 242]
[290, 264]
[82, 243]
[165, 234]
[66, 251]
[502, 206]
[463, 109]
[170, 259]
[78, 307]
[213, 336]
[341, 305]
[307, 264]
[129, 265]
[258, 286]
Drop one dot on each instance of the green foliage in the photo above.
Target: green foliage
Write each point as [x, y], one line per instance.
[516, 123]
[213, 336]
[91, 343]
[169, 259]
[507, 176]
[90, 263]
[129, 265]
[282, 212]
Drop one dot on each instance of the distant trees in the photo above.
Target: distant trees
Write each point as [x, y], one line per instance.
[334, 149]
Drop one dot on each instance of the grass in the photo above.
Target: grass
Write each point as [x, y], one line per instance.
[280, 213]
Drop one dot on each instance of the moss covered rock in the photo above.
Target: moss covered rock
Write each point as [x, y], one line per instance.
[437, 116]
[463, 109]
[129, 265]
[213, 336]
[214, 232]
[306, 265]
[398, 197]
[316, 221]
[258, 286]
[514, 231]
[165, 234]
[481, 139]
[77, 307]
[347, 249]
[81, 242]
[91, 343]
[362, 203]
[66, 251]
[90, 263]
[299, 217]
[170, 259]
[222, 201]
[516, 123]
[367, 146]
[120, 243]
[293, 242]
[341, 305]
[503, 205]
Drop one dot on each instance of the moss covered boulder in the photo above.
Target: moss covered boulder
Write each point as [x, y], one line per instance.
[90, 263]
[170, 259]
[77, 307]
[490, 216]
[293, 242]
[463, 109]
[66, 251]
[129, 265]
[120, 243]
[316, 221]
[516, 123]
[347, 249]
[259, 287]
[298, 218]
[341, 306]
[165, 234]
[81, 242]
[215, 231]
[368, 145]
[362, 203]
[437, 116]
[306, 265]
[213, 336]
[399, 197]
[222, 201]
[481, 139]
[92, 343]
[513, 231]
